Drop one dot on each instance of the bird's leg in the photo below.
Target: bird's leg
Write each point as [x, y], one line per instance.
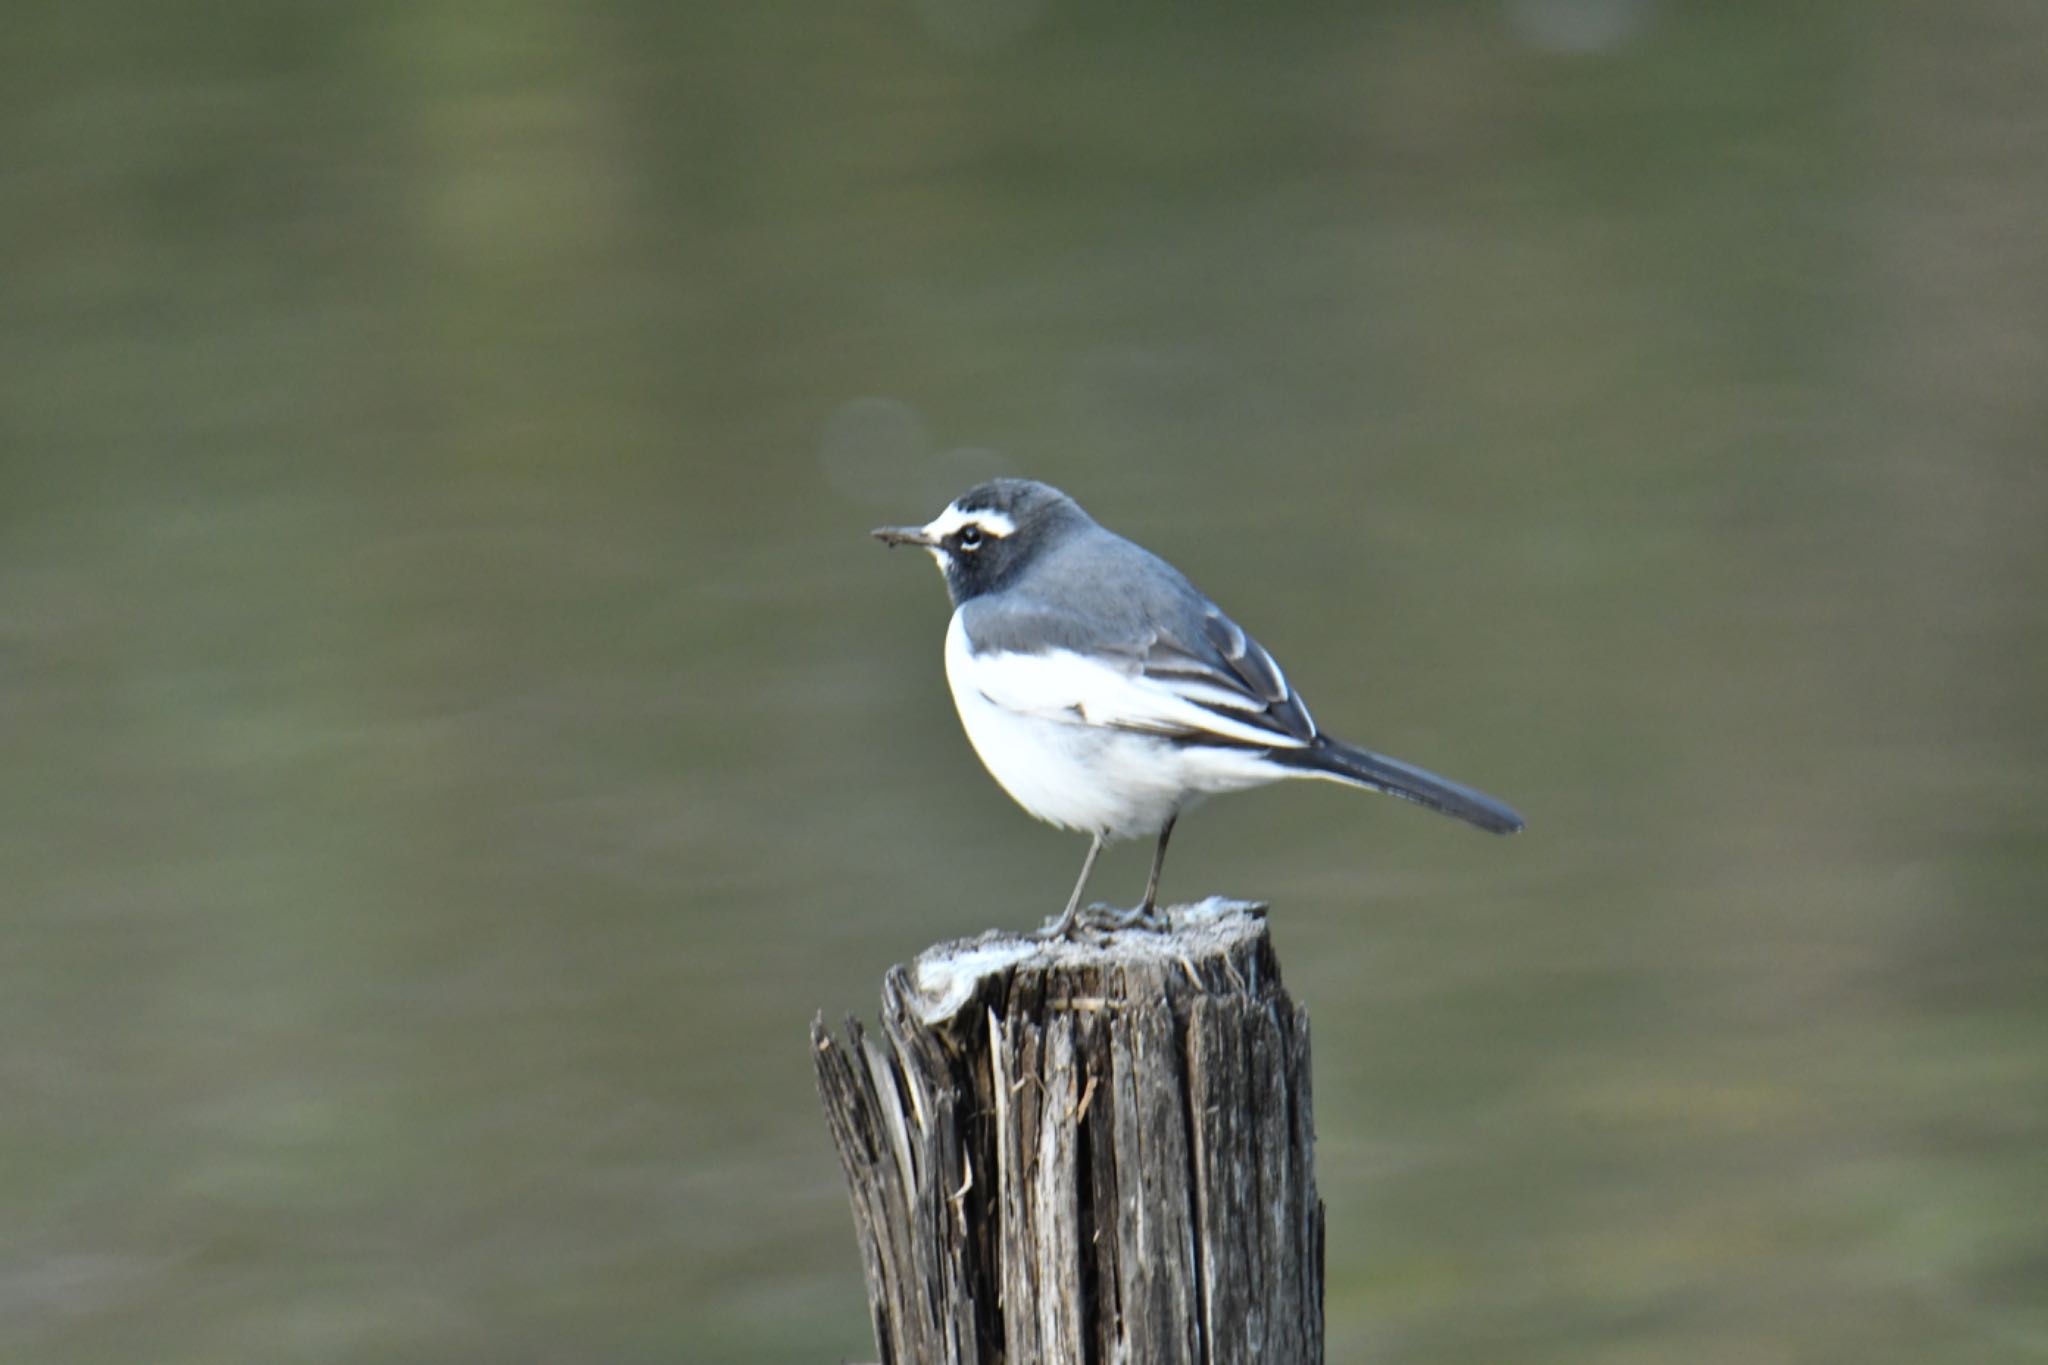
[1064, 926]
[1144, 915]
[1158, 863]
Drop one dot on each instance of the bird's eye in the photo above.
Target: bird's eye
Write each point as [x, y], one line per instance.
[970, 537]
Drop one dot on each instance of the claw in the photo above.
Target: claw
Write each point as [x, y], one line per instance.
[1108, 918]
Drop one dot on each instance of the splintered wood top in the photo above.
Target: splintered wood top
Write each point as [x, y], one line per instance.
[1213, 947]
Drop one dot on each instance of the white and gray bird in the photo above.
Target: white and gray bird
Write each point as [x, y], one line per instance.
[1106, 694]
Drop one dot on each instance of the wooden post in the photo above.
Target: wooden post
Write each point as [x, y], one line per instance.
[1085, 1151]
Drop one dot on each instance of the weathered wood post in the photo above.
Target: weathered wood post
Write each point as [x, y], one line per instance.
[1085, 1151]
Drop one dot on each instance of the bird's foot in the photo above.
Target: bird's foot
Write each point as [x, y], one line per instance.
[1065, 925]
[1100, 919]
[1110, 918]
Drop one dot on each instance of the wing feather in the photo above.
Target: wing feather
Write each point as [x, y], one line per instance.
[1221, 688]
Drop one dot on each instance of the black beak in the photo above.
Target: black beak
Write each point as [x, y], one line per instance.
[902, 535]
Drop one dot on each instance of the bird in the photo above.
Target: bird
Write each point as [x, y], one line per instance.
[1106, 693]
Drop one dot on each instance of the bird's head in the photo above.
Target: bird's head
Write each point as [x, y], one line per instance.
[987, 534]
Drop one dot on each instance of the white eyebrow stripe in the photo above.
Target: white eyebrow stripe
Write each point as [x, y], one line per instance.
[952, 519]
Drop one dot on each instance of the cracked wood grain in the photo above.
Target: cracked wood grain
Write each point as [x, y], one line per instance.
[1098, 1151]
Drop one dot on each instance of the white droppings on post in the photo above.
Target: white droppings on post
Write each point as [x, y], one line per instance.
[945, 984]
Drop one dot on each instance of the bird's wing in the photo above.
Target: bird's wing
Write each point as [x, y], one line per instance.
[1205, 683]
[1232, 676]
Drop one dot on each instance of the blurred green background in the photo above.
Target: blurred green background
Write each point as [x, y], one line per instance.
[456, 730]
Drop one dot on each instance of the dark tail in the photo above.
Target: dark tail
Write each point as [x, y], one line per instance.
[1326, 757]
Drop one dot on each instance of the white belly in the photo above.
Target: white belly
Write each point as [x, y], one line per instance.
[1116, 783]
